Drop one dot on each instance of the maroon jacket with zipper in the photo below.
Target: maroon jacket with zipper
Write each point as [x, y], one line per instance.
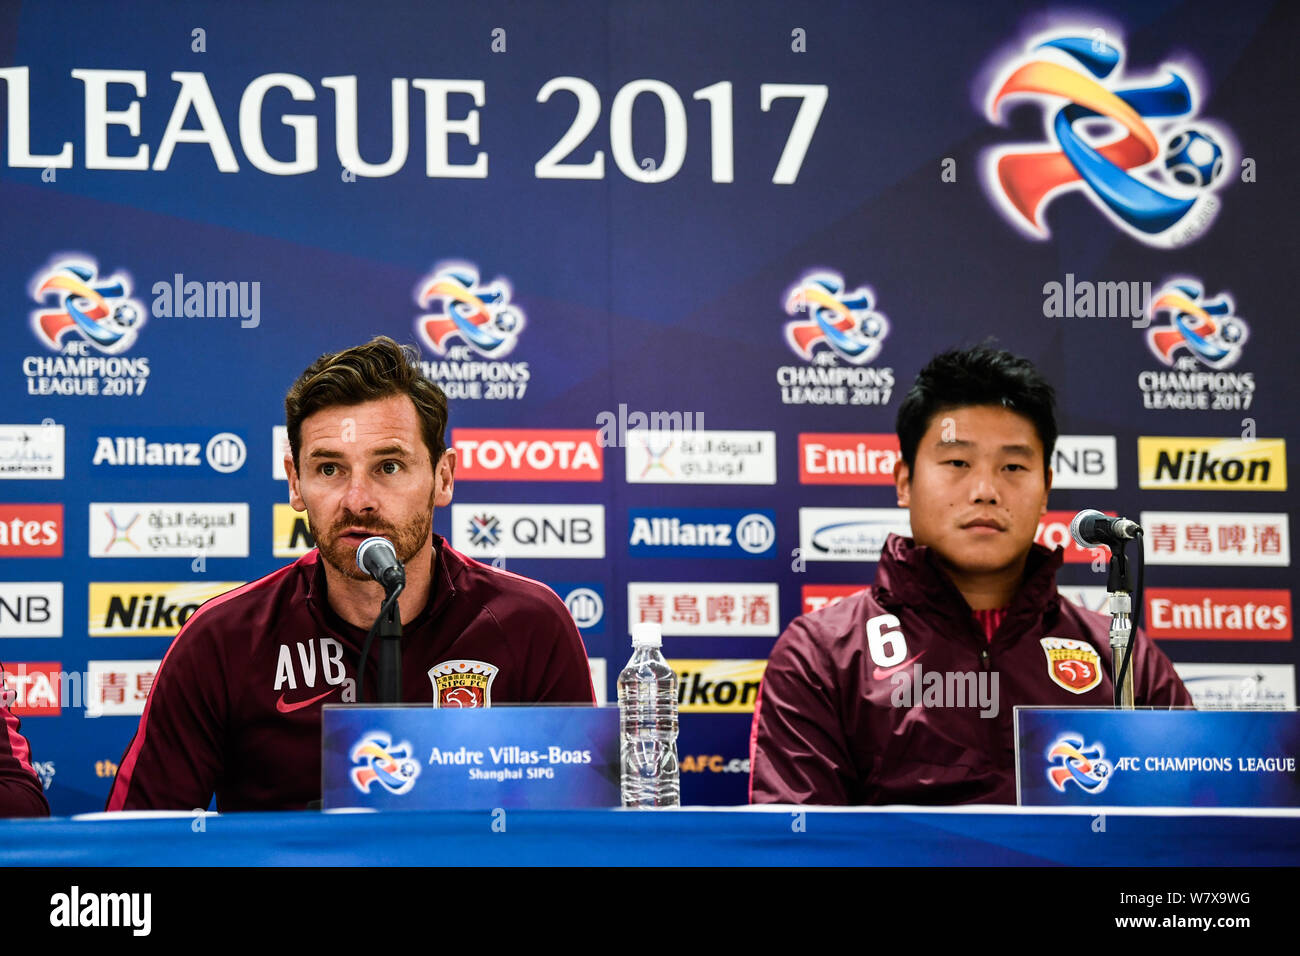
[235, 707]
[20, 789]
[838, 720]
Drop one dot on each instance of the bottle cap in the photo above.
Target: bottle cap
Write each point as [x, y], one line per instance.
[647, 634]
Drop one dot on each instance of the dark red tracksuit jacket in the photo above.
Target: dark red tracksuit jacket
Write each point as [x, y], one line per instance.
[826, 730]
[21, 794]
[235, 707]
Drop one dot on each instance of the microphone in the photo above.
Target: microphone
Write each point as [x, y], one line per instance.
[377, 557]
[1090, 528]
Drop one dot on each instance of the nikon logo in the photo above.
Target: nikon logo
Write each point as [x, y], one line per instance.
[717, 686]
[1212, 464]
[148, 609]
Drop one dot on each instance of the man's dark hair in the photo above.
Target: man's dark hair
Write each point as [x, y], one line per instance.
[379, 369]
[977, 376]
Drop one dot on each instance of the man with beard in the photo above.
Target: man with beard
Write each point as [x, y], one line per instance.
[235, 707]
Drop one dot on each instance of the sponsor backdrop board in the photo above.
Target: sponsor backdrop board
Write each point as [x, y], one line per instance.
[707, 246]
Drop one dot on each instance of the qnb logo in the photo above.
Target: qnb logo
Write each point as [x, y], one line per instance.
[755, 533]
[1202, 327]
[382, 762]
[844, 322]
[483, 318]
[1072, 762]
[484, 530]
[529, 531]
[1106, 141]
[98, 311]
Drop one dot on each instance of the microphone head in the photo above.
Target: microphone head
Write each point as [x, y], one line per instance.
[1080, 531]
[373, 547]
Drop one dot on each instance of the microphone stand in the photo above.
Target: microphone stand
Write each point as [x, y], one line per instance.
[1119, 582]
[389, 629]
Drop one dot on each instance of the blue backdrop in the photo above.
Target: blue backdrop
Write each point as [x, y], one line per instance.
[765, 218]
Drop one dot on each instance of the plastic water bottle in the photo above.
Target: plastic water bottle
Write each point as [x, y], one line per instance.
[647, 703]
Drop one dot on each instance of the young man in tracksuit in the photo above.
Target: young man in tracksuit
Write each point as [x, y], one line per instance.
[235, 708]
[903, 692]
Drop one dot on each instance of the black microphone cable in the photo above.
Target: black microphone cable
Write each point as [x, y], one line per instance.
[1135, 616]
[384, 610]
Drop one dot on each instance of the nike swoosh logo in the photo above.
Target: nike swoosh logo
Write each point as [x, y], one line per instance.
[888, 672]
[284, 708]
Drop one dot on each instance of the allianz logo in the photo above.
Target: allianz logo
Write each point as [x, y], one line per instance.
[753, 533]
[586, 606]
[224, 452]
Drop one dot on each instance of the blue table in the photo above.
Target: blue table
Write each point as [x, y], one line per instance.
[906, 836]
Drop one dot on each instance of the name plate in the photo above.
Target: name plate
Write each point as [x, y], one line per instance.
[429, 758]
[1157, 758]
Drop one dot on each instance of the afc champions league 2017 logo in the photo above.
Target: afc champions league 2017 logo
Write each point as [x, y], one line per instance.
[845, 322]
[1071, 761]
[1133, 149]
[382, 762]
[98, 311]
[838, 334]
[482, 317]
[1204, 328]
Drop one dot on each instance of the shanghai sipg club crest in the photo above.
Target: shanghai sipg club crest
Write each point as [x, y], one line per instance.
[482, 317]
[1203, 328]
[1074, 665]
[392, 767]
[98, 311]
[844, 322]
[462, 683]
[1134, 149]
[1071, 761]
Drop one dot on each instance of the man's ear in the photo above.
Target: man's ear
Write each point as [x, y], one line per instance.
[295, 489]
[444, 478]
[903, 483]
[1046, 491]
